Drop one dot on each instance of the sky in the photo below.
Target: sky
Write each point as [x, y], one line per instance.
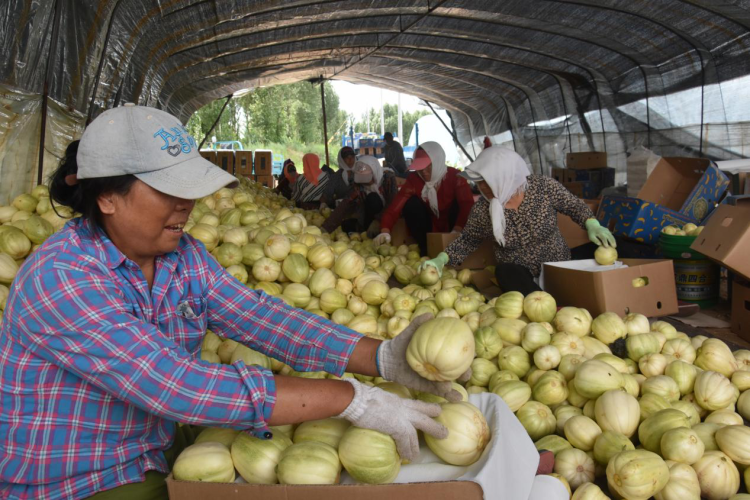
[357, 99]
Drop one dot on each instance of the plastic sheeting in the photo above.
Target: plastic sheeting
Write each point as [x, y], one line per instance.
[544, 77]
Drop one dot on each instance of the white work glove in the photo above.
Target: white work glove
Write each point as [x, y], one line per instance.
[375, 409]
[393, 366]
[382, 239]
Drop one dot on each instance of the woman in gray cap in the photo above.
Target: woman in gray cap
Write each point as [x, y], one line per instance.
[100, 344]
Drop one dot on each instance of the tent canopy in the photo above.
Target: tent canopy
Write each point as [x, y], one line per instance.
[544, 77]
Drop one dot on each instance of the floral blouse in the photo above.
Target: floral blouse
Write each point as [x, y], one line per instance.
[531, 233]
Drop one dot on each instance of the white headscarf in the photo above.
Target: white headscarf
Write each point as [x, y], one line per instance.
[374, 166]
[344, 167]
[505, 172]
[439, 169]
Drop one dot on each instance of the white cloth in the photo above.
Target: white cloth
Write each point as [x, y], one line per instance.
[505, 172]
[439, 169]
[344, 167]
[376, 169]
[505, 471]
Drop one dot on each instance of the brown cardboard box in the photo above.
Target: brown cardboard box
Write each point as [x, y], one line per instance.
[574, 235]
[613, 290]
[673, 180]
[726, 238]
[741, 309]
[225, 159]
[400, 234]
[585, 161]
[482, 257]
[441, 490]
[209, 155]
[263, 162]
[243, 163]
[558, 174]
[268, 181]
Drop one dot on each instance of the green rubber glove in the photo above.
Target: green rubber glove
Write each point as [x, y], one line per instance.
[600, 235]
[438, 263]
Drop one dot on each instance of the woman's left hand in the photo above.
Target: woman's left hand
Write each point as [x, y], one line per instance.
[393, 366]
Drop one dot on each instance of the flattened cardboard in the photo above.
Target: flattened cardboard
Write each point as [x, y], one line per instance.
[243, 163]
[225, 160]
[481, 257]
[613, 290]
[209, 155]
[741, 309]
[726, 238]
[586, 160]
[263, 164]
[443, 490]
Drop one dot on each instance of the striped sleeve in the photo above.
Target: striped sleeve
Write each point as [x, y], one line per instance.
[303, 340]
[80, 322]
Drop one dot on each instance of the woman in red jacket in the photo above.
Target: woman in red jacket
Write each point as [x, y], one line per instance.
[433, 199]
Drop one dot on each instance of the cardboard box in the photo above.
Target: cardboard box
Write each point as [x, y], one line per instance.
[268, 181]
[243, 163]
[209, 155]
[573, 234]
[741, 309]
[263, 164]
[439, 490]
[559, 174]
[586, 160]
[638, 219]
[613, 290]
[726, 238]
[400, 234]
[692, 186]
[225, 160]
[482, 257]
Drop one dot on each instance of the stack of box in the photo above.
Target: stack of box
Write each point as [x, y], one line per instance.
[586, 174]
[210, 155]
[678, 191]
[263, 168]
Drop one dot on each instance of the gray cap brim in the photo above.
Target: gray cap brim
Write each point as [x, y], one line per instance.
[189, 180]
[470, 175]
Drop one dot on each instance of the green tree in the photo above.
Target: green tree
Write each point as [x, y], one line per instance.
[390, 112]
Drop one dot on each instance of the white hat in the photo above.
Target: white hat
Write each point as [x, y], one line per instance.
[151, 145]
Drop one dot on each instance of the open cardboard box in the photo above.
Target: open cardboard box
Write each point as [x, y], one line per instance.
[726, 238]
[439, 490]
[481, 257]
[612, 290]
[741, 309]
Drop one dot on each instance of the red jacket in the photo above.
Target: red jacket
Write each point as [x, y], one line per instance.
[452, 188]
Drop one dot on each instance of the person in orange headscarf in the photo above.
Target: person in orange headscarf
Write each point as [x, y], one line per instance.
[287, 180]
[309, 188]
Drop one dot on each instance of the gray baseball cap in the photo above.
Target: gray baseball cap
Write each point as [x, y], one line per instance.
[151, 145]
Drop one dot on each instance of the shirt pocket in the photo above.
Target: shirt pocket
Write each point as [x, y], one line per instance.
[189, 321]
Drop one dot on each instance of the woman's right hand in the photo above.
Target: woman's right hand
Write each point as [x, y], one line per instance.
[376, 409]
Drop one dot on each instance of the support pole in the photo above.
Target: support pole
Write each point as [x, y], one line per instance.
[382, 115]
[101, 63]
[45, 93]
[325, 120]
[229, 98]
[400, 123]
[451, 132]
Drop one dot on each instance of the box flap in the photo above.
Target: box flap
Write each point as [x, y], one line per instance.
[672, 181]
[726, 238]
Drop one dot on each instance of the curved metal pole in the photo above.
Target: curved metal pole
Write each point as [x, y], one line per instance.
[451, 132]
[45, 93]
[229, 98]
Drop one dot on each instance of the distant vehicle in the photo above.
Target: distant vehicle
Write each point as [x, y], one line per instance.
[227, 145]
[278, 164]
[365, 144]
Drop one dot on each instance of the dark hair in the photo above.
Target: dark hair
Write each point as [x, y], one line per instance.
[387, 134]
[83, 196]
[326, 168]
[347, 151]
